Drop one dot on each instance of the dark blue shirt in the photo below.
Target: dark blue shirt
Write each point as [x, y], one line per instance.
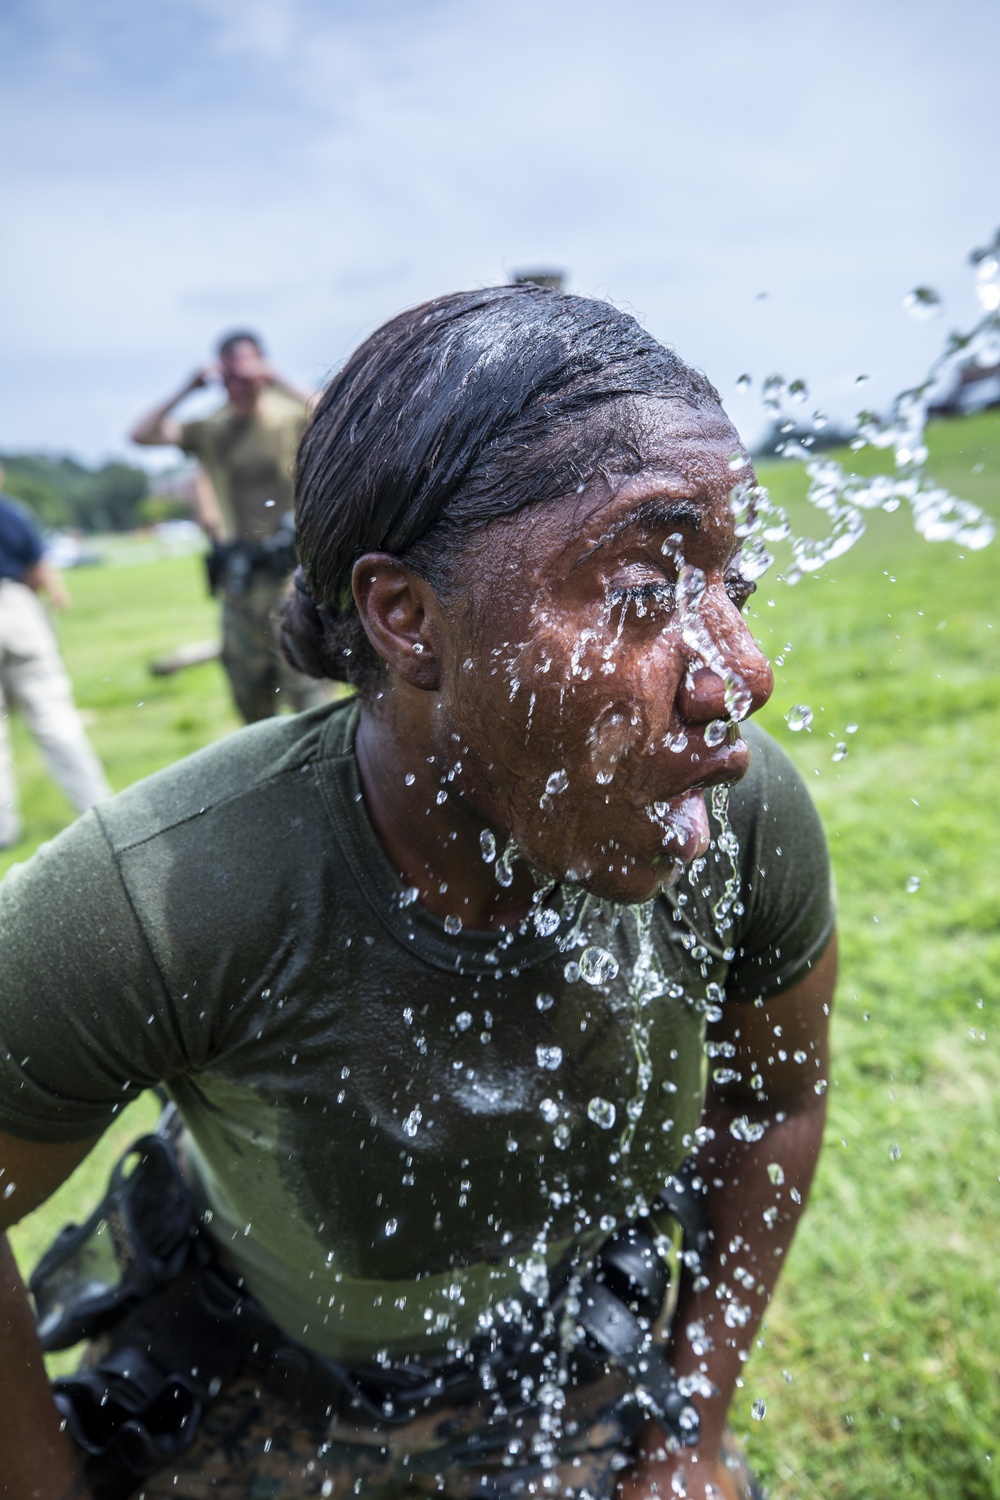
[20, 541]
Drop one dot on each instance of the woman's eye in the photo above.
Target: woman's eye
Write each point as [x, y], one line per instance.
[739, 589]
[647, 598]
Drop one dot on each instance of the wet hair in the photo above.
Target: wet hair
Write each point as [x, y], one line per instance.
[228, 342]
[450, 416]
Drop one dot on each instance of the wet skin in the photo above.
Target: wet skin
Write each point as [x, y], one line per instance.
[574, 652]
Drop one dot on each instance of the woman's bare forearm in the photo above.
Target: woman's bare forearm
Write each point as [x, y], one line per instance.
[36, 1457]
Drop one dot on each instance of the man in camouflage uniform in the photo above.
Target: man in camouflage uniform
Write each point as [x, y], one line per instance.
[246, 450]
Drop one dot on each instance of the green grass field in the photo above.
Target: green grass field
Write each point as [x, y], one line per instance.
[877, 1366]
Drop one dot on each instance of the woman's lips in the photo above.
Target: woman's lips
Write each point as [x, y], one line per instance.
[683, 821]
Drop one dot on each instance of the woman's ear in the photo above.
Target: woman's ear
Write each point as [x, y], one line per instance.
[401, 616]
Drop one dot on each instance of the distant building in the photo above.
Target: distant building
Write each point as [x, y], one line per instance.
[542, 277]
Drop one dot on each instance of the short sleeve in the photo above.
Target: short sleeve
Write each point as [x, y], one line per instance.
[194, 439]
[85, 1021]
[787, 884]
[20, 538]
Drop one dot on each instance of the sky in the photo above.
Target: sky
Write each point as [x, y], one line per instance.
[762, 185]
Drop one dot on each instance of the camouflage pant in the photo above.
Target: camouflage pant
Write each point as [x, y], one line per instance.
[261, 680]
[251, 1447]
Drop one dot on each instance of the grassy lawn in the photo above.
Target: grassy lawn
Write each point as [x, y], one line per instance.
[877, 1365]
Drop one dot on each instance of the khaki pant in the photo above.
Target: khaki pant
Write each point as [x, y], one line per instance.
[33, 679]
[261, 680]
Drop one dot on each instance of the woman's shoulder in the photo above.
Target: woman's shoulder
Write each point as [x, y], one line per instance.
[236, 771]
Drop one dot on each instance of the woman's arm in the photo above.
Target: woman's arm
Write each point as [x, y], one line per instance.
[36, 1460]
[757, 1189]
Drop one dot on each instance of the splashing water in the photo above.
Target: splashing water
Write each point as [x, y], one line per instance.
[843, 497]
[503, 868]
[728, 845]
[798, 718]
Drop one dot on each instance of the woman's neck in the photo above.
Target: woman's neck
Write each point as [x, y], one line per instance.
[431, 834]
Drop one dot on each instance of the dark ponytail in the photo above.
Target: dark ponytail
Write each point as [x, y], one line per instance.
[450, 416]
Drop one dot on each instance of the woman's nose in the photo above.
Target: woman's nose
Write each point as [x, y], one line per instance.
[730, 682]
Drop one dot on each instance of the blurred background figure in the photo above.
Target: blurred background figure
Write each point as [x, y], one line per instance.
[244, 503]
[32, 675]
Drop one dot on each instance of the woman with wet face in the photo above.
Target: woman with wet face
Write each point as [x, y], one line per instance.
[449, 981]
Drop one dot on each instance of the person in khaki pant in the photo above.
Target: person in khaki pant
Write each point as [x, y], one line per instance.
[32, 676]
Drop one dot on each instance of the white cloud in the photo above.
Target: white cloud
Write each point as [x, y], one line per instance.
[310, 169]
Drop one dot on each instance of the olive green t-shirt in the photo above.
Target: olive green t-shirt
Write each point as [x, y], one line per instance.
[250, 461]
[390, 1126]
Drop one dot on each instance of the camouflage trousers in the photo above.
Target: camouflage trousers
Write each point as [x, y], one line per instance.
[261, 681]
[251, 1447]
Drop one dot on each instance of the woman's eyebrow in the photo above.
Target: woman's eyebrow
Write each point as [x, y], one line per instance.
[651, 516]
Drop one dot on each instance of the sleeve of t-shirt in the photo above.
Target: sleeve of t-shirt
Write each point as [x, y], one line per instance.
[22, 539]
[194, 438]
[86, 1022]
[787, 884]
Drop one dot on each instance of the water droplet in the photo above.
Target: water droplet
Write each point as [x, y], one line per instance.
[738, 461]
[895, 1152]
[391, 1225]
[488, 846]
[597, 965]
[776, 1173]
[409, 778]
[557, 782]
[452, 924]
[412, 1121]
[715, 732]
[550, 1110]
[798, 718]
[503, 869]
[758, 1410]
[913, 885]
[10, 1189]
[546, 921]
[839, 751]
[561, 1137]
[742, 1129]
[602, 1112]
[922, 303]
[548, 1057]
[441, 797]
[744, 381]
[463, 1020]
[544, 1001]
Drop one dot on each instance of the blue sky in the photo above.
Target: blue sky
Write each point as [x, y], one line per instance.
[174, 168]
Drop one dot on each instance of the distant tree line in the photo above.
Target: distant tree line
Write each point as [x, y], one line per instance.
[62, 492]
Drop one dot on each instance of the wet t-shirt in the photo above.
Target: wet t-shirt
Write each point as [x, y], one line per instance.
[250, 461]
[390, 1126]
